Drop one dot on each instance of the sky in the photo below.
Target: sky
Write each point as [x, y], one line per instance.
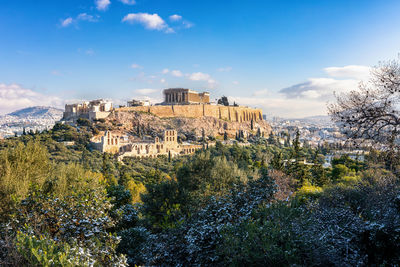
[286, 57]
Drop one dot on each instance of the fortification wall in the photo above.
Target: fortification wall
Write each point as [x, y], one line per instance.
[238, 114]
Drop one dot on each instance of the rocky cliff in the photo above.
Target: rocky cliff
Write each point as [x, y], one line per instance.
[128, 120]
[228, 113]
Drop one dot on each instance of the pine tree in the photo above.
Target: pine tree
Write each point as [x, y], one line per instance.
[225, 136]
[271, 139]
[258, 132]
[277, 161]
[252, 124]
[296, 146]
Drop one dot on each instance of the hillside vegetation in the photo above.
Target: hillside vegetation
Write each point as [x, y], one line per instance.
[227, 205]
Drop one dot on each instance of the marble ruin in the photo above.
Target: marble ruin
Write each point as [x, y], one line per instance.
[178, 102]
[181, 96]
[91, 110]
[125, 146]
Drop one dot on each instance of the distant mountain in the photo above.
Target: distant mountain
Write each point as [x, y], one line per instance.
[33, 118]
[38, 112]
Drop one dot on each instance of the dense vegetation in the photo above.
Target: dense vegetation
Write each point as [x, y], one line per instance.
[67, 205]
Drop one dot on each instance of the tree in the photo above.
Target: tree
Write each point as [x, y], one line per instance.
[296, 146]
[272, 139]
[225, 136]
[372, 112]
[223, 101]
[277, 161]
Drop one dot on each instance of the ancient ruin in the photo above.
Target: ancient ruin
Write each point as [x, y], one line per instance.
[179, 102]
[181, 96]
[126, 146]
[92, 110]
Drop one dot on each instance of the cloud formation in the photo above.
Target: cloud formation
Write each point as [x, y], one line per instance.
[155, 22]
[149, 21]
[14, 96]
[308, 98]
[176, 73]
[175, 17]
[200, 76]
[350, 71]
[323, 88]
[128, 2]
[81, 17]
[283, 107]
[66, 22]
[319, 88]
[87, 17]
[102, 4]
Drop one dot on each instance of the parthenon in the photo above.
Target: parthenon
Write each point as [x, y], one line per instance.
[185, 96]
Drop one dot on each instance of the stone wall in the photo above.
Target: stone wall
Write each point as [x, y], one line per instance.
[229, 113]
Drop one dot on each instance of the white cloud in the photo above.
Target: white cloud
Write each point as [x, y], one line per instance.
[128, 2]
[163, 80]
[66, 22]
[14, 96]
[81, 17]
[283, 107]
[175, 17]
[102, 4]
[165, 71]
[176, 73]
[149, 21]
[319, 88]
[235, 82]
[351, 71]
[136, 66]
[187, 24]
[224, 69]
[147, 91]
[200, 76]
[87, 17]
[310, 97]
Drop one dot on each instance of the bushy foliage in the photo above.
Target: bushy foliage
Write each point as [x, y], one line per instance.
[226, 205]
[195, 241]
[77, 222]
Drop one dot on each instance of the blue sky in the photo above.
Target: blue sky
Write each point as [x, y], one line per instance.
[286, 57]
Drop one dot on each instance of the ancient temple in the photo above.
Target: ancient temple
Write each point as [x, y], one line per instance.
[181, 96]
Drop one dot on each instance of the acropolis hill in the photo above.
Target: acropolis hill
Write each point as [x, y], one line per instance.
[190, 104]
[185, 110]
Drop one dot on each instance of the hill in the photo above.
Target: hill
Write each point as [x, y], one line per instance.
[129, 121]
[38, 112]
[31, 118]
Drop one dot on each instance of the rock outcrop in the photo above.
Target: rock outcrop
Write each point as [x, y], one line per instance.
[228, 113]
[128, 120]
